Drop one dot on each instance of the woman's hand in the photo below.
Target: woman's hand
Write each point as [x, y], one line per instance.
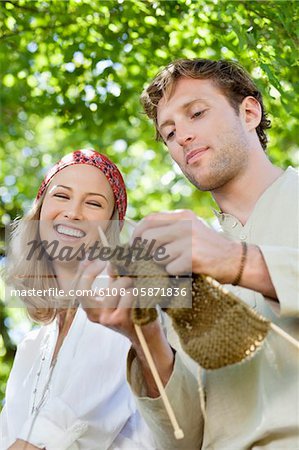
[23, 445]
[115, 312]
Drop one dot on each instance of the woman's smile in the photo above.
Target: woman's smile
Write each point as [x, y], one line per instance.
[67, 231]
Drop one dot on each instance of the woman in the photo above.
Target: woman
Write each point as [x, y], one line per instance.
[67, 388]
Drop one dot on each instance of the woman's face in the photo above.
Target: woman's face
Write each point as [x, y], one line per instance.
[77, 200]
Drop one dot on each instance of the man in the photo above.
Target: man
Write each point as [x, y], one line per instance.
[211, 117]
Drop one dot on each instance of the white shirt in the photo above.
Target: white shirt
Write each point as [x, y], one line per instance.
[254, 404]
[88, 405]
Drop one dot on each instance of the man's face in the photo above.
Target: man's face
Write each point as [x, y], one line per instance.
[203, 132]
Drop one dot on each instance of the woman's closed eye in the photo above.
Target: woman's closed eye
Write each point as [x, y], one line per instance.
[94, 203]
[61, 195]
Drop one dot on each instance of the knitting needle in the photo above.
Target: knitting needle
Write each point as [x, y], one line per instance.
[284, 335]
[178, 432]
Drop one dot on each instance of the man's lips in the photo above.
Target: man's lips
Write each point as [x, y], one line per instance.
[192, 155]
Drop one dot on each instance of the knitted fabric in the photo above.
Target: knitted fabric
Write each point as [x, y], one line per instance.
[219, 329]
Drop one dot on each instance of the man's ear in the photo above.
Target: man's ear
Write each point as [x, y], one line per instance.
[251, 111]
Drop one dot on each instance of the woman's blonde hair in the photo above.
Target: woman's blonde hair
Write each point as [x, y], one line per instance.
[23, 273]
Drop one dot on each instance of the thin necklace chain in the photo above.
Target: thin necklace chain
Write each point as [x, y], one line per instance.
[36, 406]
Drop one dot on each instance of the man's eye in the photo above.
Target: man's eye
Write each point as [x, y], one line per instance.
[197, 114]
[170, 135]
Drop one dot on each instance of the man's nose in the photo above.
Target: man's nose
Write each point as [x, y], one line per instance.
[184, 136]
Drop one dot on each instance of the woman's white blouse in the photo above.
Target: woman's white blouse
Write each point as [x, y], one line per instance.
[87, 405]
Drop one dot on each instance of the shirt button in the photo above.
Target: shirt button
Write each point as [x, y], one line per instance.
[234, 224]
[243, 237]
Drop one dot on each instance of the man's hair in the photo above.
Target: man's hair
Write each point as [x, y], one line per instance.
[231, 78]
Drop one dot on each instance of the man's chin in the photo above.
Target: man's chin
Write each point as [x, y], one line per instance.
[203, 183]
[208, 181]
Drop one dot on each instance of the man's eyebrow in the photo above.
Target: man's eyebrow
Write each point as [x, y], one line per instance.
[70, 189]
[184, 107]
[165, 124]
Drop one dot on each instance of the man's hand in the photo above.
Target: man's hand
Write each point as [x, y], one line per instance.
[193, 246]
[190, 245]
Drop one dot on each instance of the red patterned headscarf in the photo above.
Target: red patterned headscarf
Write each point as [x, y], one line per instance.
[107, 167]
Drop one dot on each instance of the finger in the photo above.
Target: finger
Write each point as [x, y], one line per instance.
[86, 286]
[120, 321]
[96, 307]
[117, 288]
[119, 317]
[88, 273]
[160, 236]
[112, 271]
[150, 221]
[126, 301]
[174, 250]
[121, 282]
[160, 233]
[179, 266]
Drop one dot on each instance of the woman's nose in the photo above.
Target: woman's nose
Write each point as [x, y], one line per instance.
[73, 212]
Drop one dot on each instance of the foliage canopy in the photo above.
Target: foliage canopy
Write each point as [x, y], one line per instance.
[72, 72]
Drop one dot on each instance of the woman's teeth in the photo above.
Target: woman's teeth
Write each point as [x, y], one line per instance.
[61, 229]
